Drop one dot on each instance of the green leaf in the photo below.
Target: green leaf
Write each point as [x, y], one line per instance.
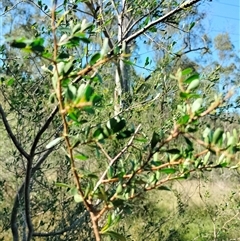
[144, 140]
[191, 78]
[128, 62]
[95, 99]
[189, 143]
[88, 109]
[94, 58]
[106, 131]
[165, 188]
[119, 189]
[187, 96]
[197, 104]
[81, 90]
[191, 25]
[168, 170]
[71, 92]
[191, 128]
[115, 125]
[78, 198]
[97, 78]
[73, 41]
[63, 40]
[206, 158]
[193, 85]
[146, 61]
[68, 67]
[124, 134]
[176, 157]
[73, 116]
[85, 40]
[81, 157]
[53, 142]
[98, 134]
[115, 236]
[110, 172]
[18, 44]
[105, 47]
[217, 135]
[153, 29]
[183, 119]
[173, 151]
[59, 184]
[88, 92]
[85, 25]
[116, 50]
[10, 82]
[37, 45]
[155, 139]
[187, 71]
[76, 28]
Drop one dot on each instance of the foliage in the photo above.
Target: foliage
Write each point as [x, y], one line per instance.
[79, 159]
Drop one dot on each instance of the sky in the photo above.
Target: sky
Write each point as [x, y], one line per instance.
[222, 16]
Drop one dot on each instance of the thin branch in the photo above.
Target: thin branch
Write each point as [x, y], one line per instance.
[12, 136]
[104, 152]
[228, 221]
[130, 27]
[27, 198]
[23, 1]
[116, 158]
[101, 21]
[42, 130]
[115, 7]
[13, 222]
[159, 20]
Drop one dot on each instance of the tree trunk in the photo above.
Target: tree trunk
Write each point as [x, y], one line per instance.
[122, 80]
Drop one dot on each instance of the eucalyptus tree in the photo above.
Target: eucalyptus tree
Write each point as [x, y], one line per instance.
[68, 139]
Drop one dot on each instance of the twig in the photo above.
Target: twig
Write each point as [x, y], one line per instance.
[159, 20]
[116, 158]
[12, 136]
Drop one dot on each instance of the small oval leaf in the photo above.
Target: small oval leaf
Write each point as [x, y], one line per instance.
[53, 142]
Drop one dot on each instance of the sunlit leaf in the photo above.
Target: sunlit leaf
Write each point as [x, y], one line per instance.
[193, 85]
[10, 82]
[54, 142]
[81, 157]
[184, 119]
[217, 135]
[197, 104]
[76, 28]
[78, 198]
[105, 47]
[187, 71]
[85, 25]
